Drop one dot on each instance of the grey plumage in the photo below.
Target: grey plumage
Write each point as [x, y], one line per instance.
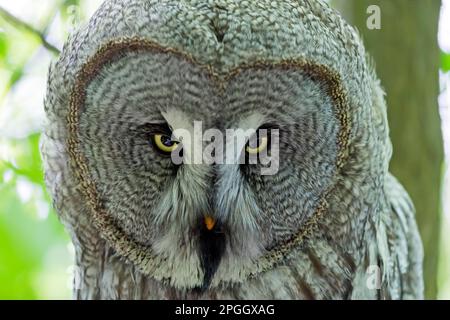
[310, 231]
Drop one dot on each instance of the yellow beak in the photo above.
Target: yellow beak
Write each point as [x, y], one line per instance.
[209, 222]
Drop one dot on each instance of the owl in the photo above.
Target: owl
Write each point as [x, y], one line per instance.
[330, 222]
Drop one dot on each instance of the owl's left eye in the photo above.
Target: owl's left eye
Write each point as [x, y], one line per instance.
[164, 143]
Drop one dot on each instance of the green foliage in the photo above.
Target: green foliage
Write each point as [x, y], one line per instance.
[3, 46]
[34, 252]
[16, 48]
[28, 227]
[445, 62]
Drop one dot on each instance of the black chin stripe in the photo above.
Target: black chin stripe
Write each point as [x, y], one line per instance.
[211, 249]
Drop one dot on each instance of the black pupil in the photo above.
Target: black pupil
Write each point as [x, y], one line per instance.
[167, 141]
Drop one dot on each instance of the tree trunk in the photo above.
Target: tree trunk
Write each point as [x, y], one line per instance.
[406, 53]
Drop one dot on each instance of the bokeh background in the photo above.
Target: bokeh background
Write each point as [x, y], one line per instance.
[35, 252]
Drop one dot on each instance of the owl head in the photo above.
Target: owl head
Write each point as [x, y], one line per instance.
[142, 69]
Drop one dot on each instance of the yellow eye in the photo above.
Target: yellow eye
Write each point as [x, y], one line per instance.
[262, 145]
[164, 143]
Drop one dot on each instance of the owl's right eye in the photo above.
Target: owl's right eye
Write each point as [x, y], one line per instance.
[164, 143]
[262, 144]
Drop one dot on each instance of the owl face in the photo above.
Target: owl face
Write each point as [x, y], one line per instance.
[143, 70]
[200, 225]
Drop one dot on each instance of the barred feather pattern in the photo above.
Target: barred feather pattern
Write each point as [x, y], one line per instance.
[315, 230]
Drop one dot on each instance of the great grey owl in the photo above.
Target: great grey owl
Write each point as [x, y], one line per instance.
[331, 223]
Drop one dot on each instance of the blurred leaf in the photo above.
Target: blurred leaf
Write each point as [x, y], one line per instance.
[445, 61]
[19, 47]
[3, 45]
[24, 243]
[28, 160]
[15, 76]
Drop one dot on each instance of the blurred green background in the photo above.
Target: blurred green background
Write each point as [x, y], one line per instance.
[35, 252]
